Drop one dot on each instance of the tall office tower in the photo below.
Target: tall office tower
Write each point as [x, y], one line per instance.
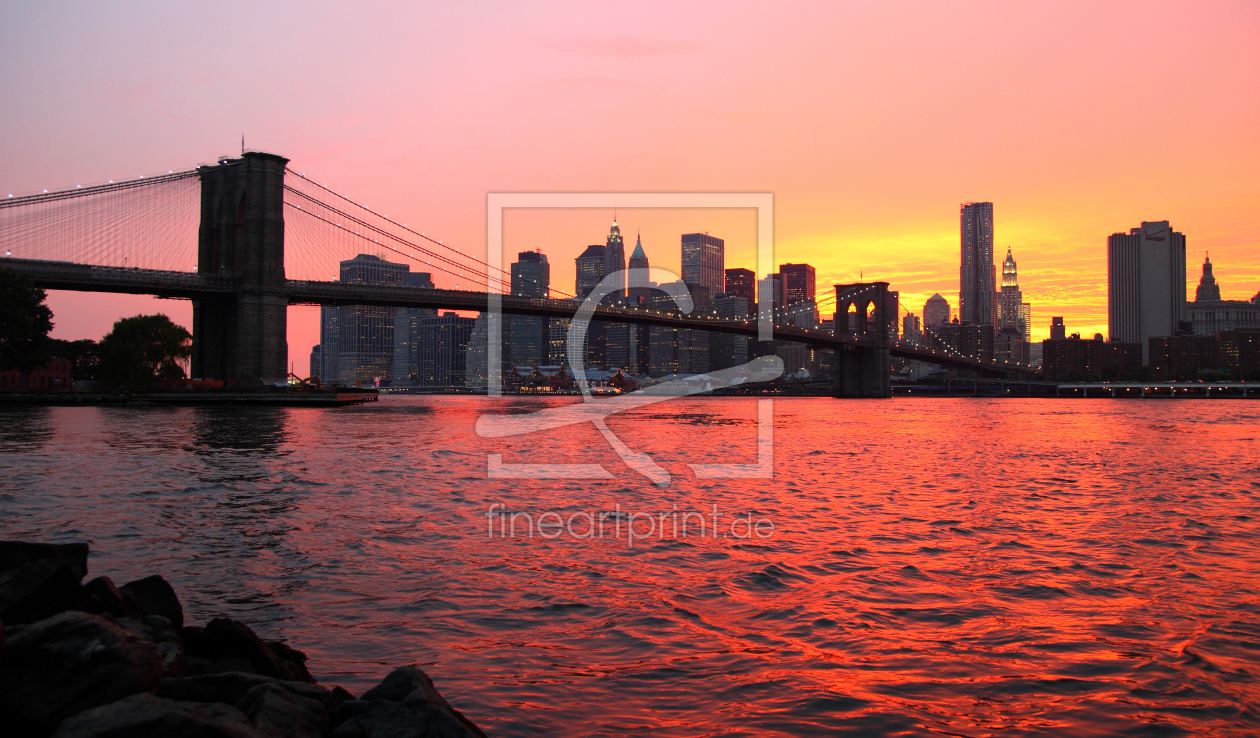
[770, 290]
[1058, 331]
[798, 283]
[663, 341]
[360, 338]
[316, 367]
[1146, 284]
[935, 311]
[727, 349]
[704, 261]
[977, 273]
[743, 283]
[638, 282]
[590, 270]
[910, 327]
[1013, 312]
[558, 341]
[443, 342]
[406, 365]
[475, 373]
[615, 258]
[527, 334]
[693, 345]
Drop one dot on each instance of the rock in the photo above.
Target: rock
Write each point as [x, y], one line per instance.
[226, 638]
[155, 596]
[219, 666]
[339, 694]
[146, 716]
[101, 596]
[383, 719]
[413, 688]
[275, 711]
[230, 687]
[163, 629]
[174, 663]
[72, 662]
[293, 658]
[38, 589]
[17, 553]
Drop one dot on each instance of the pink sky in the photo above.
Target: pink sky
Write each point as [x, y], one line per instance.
[870, 123]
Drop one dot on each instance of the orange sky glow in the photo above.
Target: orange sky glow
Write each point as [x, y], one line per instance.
[869, 122]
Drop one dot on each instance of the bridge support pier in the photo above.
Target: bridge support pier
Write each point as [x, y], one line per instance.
[863, 370]
[242, 337]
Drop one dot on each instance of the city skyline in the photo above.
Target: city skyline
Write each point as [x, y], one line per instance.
[1062, 179]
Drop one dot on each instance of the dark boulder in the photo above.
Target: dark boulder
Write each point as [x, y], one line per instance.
[225, 638]
[154, 596]
[146, 716]
[275, 711]
[230, 687]
[383, 719]
[101, 596]
[72, 662]
[410, 686]
[17, 553]
[294, 659]
[38, 589]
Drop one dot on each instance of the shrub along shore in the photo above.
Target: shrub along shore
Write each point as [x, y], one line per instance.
[95, 660]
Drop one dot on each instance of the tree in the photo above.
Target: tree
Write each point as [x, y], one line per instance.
[82, 355]
[24, 323]
[141, 348]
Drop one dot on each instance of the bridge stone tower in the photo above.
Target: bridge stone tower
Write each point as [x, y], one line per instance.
[242, 336]
[862, 371]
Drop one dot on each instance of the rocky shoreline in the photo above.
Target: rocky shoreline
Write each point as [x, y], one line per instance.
[94, 660]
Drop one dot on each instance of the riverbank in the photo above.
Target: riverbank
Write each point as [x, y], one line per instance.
[188, 398]
[97, 660]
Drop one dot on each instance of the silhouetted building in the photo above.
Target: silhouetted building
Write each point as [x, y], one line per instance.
[743, 283]
[615, 258]
[590, 272]
[639, 284]
[1074, 360]
[1009, 345]
[1209, 314]
[406, 364]
[1057, 330]
[357, 341]
[527, 334]
[315, 367]
[443, 350]
[704, 261]
[1184, 357]
[910, 326]
[1012, 310]
[1146, 284]
[935, 311]
[1239, 351]
[727, 349]
[772, 286]
[975, 341]
[798, 283]
[977, 274]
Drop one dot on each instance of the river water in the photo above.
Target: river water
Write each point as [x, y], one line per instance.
[962, 567]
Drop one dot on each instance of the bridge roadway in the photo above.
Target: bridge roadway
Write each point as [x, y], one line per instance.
[59, 275]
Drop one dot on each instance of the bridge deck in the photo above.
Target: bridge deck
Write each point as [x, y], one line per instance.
[86, 278]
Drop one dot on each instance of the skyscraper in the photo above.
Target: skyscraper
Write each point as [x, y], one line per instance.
[798, 283]
[443, 350]
[1209, 314]
[357, 341]
[727, 349]
[527, 334]
[638, 283]
[935, 311]
[1013, 312]
[743, 283]
[615, 258]
[704, 261]
[590, 270]
[1146, 284]
[406, 365]
[977, 274]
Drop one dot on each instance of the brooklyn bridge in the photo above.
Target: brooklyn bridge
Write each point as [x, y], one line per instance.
[266, 237]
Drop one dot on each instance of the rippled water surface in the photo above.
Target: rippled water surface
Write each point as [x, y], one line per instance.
[937, 567]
